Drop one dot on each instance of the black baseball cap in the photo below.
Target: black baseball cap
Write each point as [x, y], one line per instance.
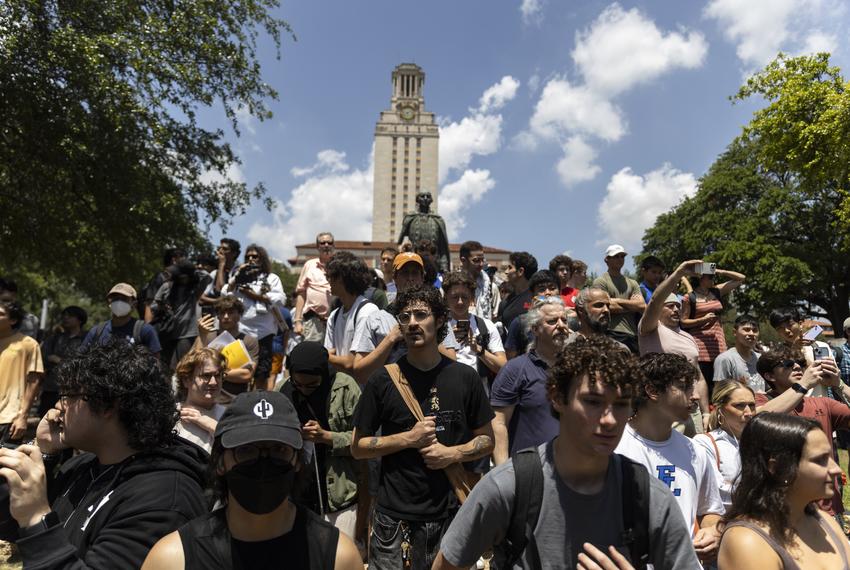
[260, 415]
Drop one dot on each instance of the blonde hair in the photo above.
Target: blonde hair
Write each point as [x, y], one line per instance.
[720, 397]
[185, 369]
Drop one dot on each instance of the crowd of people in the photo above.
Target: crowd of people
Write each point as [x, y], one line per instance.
[406, 417]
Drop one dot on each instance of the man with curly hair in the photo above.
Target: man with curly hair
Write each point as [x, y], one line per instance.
[349, 278]
[133, 483]
[580, 518]
[415, 498]
[665, 395]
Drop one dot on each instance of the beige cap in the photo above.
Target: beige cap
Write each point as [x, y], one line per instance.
[122, 289]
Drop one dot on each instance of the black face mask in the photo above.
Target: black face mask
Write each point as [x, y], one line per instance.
[260, 486]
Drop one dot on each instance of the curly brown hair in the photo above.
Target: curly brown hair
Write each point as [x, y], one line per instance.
[599, 358]
[229, 302]
[458, 277]
[185, 369]
[661, 371]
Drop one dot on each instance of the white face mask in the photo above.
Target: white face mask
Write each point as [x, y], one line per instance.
[120, 308]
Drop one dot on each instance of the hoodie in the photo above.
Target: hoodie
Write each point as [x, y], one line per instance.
[112, 515]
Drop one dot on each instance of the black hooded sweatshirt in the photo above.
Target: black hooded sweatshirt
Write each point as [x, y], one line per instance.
[111, 516]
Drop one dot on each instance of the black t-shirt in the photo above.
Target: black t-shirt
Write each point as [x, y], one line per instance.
[514, 306]
[451, 392]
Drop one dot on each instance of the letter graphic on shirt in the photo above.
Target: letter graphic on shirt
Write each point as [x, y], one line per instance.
[667, 474]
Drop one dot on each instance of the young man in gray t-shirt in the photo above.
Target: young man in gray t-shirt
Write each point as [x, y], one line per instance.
[582, 497]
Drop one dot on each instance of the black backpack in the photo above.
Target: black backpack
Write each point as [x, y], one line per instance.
[528, 499]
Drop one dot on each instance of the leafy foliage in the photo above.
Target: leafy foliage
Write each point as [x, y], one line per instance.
[765, 224]
[102, 160]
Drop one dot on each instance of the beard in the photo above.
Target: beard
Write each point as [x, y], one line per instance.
[599, 326]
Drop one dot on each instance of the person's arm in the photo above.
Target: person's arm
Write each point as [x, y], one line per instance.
[439, 456]
[32, 389]
[652, 314]
[297, 318]
[707, 539]
[148, 316]
[735, 280]
[239, 375]
[344, 363]
[493, 360]
[634, 304]
[347, 555]
[368, 447]
[447, 351]
[166, 554]
[440, 563]
[365, 363]
[790, 399]
[500, 433]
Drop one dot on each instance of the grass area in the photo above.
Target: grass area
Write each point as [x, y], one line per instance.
[843, 462]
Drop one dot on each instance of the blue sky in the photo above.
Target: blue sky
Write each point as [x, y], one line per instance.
[598, 117]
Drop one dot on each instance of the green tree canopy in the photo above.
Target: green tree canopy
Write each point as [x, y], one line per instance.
[765, 224]
[804, 130]
[102, 159]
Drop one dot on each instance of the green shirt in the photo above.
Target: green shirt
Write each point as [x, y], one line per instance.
[620, 287]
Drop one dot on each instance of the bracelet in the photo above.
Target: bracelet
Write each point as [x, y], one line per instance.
[297, 321]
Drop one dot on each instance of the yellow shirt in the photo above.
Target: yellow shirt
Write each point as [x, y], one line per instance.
[19, 355]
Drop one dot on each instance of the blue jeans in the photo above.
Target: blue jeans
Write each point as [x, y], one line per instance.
[385, 552]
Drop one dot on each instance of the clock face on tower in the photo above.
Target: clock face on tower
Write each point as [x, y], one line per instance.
[407, 114]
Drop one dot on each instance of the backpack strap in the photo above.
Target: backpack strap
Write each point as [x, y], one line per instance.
[98, 331]
[455, 471]
[137, 331]
[528, 498]
[716, 449]
[485, 342]
[635, 503]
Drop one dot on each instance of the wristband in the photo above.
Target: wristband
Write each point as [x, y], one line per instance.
[799, 388]
[47, 521]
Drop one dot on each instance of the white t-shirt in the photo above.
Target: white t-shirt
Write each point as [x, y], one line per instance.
[195, 433]
[730, 460]
[683, 465]
[465, 354]
[340, 335]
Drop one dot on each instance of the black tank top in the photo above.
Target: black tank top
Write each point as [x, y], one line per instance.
[207, 545]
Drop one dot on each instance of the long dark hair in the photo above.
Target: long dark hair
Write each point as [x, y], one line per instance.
[761, 491]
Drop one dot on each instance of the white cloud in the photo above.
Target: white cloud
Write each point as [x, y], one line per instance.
[624, 48]
[633, 202]
[532, 11]
[534, 83]
[495, 97]
[577, 164]
[328, 160]
[564, 109]
[246, 119]
[818, 41]
[233, 173]
[478, 134]
[761, 28]
[619, 50]
[333, 200]
[458, 196]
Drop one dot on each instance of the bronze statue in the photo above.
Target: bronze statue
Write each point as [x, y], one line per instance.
[425, 225]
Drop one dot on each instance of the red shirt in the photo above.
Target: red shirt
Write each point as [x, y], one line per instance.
[831, 415]
[568, 294]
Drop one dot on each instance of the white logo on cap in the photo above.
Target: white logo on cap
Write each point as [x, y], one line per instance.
[263, 410]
